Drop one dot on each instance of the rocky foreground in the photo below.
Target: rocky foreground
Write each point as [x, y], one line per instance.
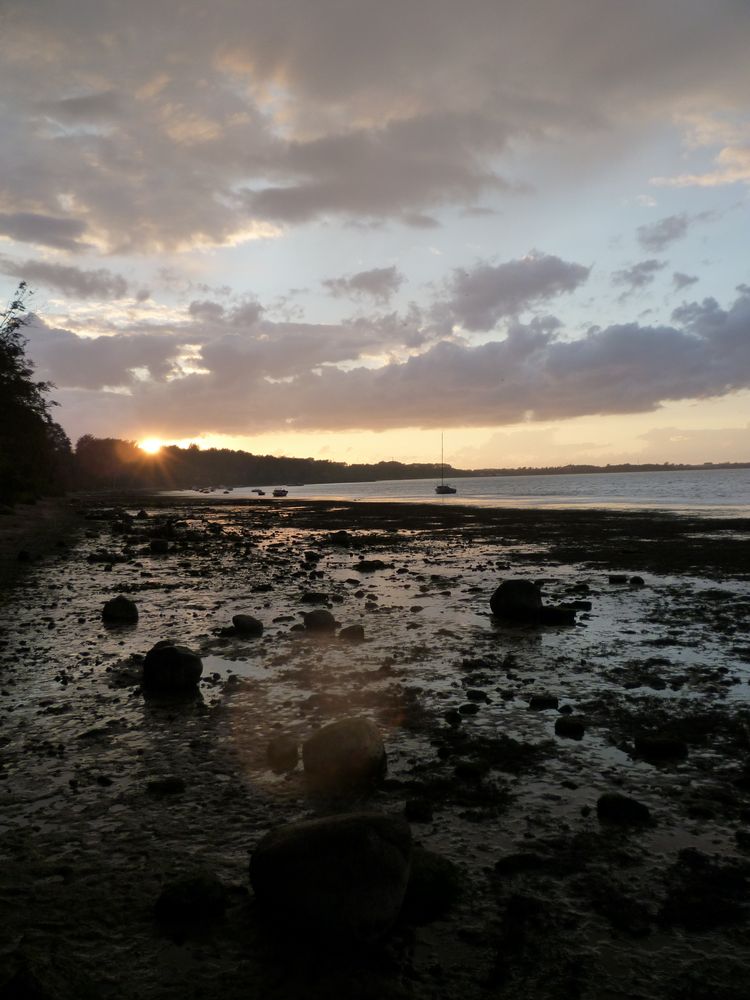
[376, 750]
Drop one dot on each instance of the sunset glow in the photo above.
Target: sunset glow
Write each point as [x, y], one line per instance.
[152, 446]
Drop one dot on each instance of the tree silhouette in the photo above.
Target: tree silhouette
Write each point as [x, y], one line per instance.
[34, 450]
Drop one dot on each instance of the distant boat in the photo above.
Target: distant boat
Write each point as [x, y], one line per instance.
[261, 493]
[280, 493]
[442, 487]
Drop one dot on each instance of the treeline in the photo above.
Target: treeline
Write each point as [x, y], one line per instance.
[561, 470]
[110, 463]
[35, 453]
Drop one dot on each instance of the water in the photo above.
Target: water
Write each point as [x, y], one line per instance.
[710, 492]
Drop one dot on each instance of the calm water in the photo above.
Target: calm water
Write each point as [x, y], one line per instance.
[708, 492]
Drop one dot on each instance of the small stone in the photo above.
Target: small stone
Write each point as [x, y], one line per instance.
[637, 581]
[344, 756]
[660, 748]
[618, 578]
[171, 669]
[518, 601]
[159, 787]
[570, 727]
[542, 702]
[120, 610]
[319, 620]
[158, 546]
[247, 625]
[621, 810]
[352, 633]
[369, 565]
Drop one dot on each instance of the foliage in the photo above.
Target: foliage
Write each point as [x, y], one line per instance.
[34, 450]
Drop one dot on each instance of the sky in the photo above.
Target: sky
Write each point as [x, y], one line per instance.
[342, 228]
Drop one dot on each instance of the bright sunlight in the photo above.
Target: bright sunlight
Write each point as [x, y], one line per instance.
[150, 445]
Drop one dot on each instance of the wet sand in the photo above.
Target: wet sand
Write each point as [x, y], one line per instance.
[555, 903]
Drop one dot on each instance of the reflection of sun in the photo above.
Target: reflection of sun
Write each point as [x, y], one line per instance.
[150, 445]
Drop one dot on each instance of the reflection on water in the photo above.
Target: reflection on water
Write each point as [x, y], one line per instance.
[719, 492]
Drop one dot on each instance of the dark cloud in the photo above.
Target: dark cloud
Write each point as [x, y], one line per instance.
[637, 276]
[95, 107]
[681, 280]
[82, 284]
[379, 283]
[479, 298]
[657, 236]
[44, 230]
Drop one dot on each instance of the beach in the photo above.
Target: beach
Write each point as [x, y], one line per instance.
[502, 738]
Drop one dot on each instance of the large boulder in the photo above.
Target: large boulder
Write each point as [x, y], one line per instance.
[120, 611]
[335, 881]
[171, 669]
[319, 620]
[518, 601]
[344, 757]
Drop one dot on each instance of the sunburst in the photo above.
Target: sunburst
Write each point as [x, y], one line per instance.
[152, 446]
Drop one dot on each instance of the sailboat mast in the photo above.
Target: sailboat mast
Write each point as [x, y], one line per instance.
[442, 462]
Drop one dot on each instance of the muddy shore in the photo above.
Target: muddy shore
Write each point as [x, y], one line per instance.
[556, 900]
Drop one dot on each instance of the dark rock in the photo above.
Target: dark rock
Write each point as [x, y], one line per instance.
[247, 625]
[618, 578]
[570, 727]
[171, 669]
[319, 620]
[655, 749]
[194, 899]
[542, 702]
[637, 581]
[344, 756]
[517, 601]
[418, 811]
[369, 565]
[158, 546]
[335, 881]
[621, 810]
[159, 787]
[282, 753]
[560, 614]
[474, 694]
[339, 538]
[120, 610]
[470, 708]
[352, 633]
[452, 717]
[314, 597]
[434, 886]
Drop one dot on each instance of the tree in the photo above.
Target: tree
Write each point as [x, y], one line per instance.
[34, 450]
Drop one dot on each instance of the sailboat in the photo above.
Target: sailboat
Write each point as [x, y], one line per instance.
[442, 487]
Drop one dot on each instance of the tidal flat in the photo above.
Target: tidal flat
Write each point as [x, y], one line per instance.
[501, 741]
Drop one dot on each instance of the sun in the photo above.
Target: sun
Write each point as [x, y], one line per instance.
[151, 446]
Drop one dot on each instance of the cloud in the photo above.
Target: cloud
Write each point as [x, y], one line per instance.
[637, 276]
[681, 280]
[213, 376]
[658, 235]
[379, 283]
[482, 296]
[732, 167]
[44, 230]
[82, 284]
[215, 130]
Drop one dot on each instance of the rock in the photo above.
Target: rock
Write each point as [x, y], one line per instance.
[542, 702]
[637, 581]
[247, 625]
[345, 756]
[517, 601]
[369, 565]
[618, 578]
[158, 546]
[199, 899]
[120, 611]
[570, 727]
[352, 633]
[434, 886]
[557, 615]
[335, 881]
[171, 669]
[282, 753]
[319, 620]
[660, 748]
[314, 597]
[159, 787]
[621, 810]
